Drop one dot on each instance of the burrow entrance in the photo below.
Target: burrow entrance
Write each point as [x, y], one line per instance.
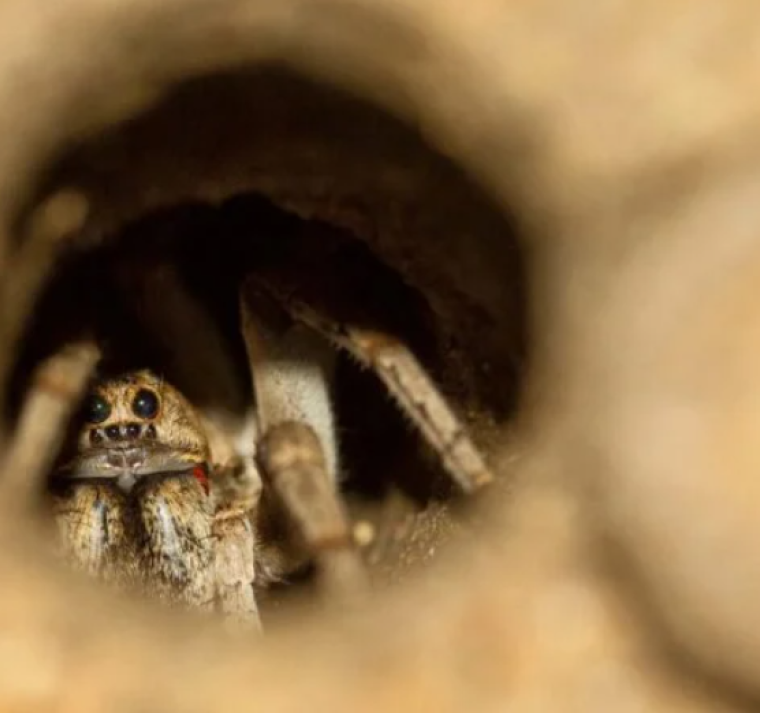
[233, 166]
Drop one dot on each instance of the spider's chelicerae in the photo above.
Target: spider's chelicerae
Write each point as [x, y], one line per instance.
[155, 493]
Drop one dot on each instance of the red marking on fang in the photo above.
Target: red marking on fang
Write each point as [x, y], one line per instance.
[201, 475]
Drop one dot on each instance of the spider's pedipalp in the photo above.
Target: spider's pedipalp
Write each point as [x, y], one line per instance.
[236, 482]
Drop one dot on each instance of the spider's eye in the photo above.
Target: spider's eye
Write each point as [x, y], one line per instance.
[145, 404]
[96, 409]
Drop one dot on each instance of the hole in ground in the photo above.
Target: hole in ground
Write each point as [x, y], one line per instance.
[450, 271]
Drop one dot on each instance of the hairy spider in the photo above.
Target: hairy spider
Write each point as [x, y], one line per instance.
[155, 493]
[135, 505]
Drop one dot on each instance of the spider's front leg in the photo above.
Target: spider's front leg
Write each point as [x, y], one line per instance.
[297, 452]
[291, 454]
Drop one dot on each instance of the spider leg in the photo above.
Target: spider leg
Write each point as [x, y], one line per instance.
[406, 379]
[297, 453]
[291, 455]
[57, 387]
[234, 565]
[59, 216]
[398, 368]
[236, 549]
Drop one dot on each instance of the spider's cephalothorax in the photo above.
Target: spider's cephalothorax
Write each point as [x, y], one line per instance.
[134, 504]
[136, 425]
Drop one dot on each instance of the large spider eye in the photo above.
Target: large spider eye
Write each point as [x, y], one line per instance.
[145, 404]
[96, 409]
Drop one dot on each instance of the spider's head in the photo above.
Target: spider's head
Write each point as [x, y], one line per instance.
[133, 426]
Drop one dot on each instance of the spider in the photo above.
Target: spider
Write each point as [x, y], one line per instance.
[153, 492]
[135, 505]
